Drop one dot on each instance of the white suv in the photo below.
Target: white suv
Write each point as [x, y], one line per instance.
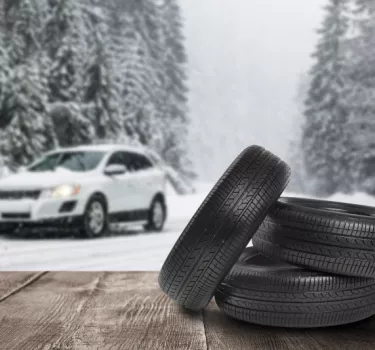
[86, 187]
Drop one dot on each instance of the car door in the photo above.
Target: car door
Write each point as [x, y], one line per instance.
[148, 177]
[120, 188]
[134, 190]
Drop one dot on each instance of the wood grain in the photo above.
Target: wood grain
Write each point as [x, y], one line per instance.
[97, 311]
[114, 310]
[226, 333]
[11, 282]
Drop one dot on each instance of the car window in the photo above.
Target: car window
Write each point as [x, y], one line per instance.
[48, 163]
[138, 162]
[132, 161]
[143, 162]
[116, 158]
[74, 161]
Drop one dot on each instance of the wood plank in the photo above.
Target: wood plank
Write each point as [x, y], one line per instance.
[40, 313]
[130, 312]
[98, 310]
[11, 282]
[83, 310]
[226, 333]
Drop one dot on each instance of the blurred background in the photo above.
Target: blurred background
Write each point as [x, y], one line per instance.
[195, 82]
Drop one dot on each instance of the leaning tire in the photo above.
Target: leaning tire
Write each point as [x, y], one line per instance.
[261, 291]
[324, 236]
[157, 215]
[222, 227]
[95, 219]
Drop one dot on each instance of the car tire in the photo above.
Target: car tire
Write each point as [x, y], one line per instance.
[6, 228]
[156, 216]
[95, 218]
[222, 227]
[273, 293]
[325, 236]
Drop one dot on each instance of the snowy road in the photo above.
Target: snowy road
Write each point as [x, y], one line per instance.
[123, 250]
[135, 250]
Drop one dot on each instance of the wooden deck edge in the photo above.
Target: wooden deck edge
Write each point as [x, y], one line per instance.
[33, 279]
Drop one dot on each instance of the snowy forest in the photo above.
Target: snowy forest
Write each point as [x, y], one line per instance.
[89, 71]
[336, 148]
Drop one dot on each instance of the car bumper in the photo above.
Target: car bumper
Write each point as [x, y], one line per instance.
[73, 222]
[41, 211]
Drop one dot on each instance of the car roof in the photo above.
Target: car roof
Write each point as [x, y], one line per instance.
[102, 148]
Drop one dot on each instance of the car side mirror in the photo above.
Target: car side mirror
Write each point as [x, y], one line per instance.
[115, 169]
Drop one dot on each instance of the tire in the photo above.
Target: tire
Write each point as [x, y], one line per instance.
[6, 228]
[222, 227]
[157, 215]
[325, 236]
[96, 203]
[272, 293]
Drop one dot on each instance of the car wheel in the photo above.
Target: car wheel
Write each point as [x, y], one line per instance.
[156, 215]
[8, 228]
[95, 218]
[273, 293]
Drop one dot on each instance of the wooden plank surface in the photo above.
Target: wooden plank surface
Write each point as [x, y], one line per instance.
[11, 282]
[114, 310]
[226, 333]
[81, 310]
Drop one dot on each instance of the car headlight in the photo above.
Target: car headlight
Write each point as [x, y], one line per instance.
[62, 191]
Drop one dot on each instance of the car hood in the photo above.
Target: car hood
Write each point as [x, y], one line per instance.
[40, 180]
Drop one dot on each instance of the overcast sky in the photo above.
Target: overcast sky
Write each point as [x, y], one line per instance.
[245, 59]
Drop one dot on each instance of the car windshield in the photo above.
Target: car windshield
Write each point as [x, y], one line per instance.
[74, 161]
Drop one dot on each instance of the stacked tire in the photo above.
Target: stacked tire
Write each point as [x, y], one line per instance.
[312, 263]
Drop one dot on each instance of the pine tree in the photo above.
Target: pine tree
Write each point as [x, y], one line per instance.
[65, 37]
[361, 95]
[103, 71]
[299, 182]
[101, 88]
[5, 112]
[175, 91]
[143, 72]
[326, 136]
[30, 131]
[155, 80]
[24, 26]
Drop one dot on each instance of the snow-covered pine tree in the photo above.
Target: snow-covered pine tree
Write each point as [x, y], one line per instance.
[143, 72]
[175, 113]
[124, 81]
[123, 43]
[5, 113]
[24, 25]
[23, 104]
[326, 136]
[299, 182]
[66, 35]
[30, 131]
[101, 86]
[155, 80]
[361, 94]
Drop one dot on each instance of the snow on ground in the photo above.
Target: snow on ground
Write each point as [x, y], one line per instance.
[124, 250]
[131, 250]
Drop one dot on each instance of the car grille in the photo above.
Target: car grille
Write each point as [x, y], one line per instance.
[13, 216]
[14, 195]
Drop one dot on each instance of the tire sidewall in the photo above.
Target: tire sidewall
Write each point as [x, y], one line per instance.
[87, 231]
[151, 226]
